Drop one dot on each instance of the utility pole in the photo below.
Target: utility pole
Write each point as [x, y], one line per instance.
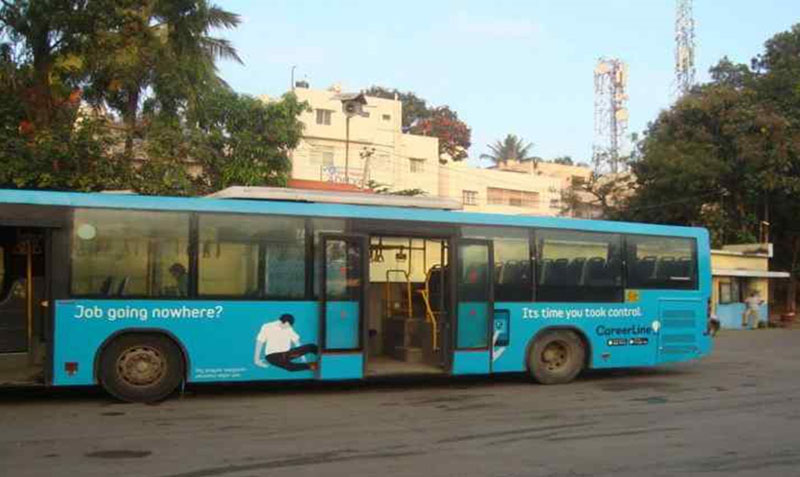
[292, 80]
[352, 105]
[347, 150]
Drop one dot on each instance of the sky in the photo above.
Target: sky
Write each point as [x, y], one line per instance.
[519, 67]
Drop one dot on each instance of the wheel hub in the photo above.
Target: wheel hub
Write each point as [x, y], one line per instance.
[555, 356]
[141, 366]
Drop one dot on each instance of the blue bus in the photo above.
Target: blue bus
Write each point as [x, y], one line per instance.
[142, 294]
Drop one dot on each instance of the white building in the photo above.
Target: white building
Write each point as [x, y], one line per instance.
[399, 161]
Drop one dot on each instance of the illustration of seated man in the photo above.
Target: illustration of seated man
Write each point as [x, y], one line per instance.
[279, 344]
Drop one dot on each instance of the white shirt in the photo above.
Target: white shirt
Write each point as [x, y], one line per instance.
[753, 302]
[278, 336]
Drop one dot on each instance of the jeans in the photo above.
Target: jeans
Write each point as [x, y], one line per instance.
[284, 359]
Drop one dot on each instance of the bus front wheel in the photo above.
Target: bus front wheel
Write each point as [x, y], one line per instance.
[556, 357]
[141, 367]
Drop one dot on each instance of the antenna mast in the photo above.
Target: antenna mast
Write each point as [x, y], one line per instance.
[610, 115]
[684, 47]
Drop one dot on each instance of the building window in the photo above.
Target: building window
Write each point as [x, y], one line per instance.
[322, 155]
[386, 117]
[730, 291]
[469, 197]
[130, 253]
[251, 256]
[514, 198]
[417, 165]
[324, 116]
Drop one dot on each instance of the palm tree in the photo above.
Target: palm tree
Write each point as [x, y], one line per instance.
[160, 51]
[512, 148]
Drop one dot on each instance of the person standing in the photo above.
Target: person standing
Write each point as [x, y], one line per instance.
[751, 308]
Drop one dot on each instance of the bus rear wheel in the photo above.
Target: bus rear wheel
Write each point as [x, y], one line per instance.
[556, 357]
[141, 367]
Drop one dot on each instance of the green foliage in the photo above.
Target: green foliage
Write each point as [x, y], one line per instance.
[727, 155]
[563, 160]
[164, 123]
[512, 148]
[240, 140]
[380, 188]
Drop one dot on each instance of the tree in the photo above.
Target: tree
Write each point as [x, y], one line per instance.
[47, 36]
[159, 47]
[716, 153]
[47, 140]
[600, 196]
[727, 155]
[240, 140]
[511, 148]
[415, 108]
[454, 135]
[442, 122]
[564, 160]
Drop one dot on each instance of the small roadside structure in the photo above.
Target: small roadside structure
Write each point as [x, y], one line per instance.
[741, 292]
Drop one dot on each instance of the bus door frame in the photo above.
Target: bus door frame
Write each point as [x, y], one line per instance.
[54, 223]
[471, 360]
[345, 363]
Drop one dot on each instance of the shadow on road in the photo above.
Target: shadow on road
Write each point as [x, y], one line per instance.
[617, 377]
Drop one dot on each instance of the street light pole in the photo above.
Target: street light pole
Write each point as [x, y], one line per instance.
[347, 150]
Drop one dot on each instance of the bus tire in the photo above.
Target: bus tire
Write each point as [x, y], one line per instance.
[141, 367]
[556, 357]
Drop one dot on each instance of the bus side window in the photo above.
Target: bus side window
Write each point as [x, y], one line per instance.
[661, 262]
[579, 266]
[513, 279]
[130, 253]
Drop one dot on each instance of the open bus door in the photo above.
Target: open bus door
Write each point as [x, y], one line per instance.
[341, 303]
[24, 304]
[474, 307]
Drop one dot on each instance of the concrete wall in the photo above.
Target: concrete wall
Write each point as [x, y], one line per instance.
[391, 163]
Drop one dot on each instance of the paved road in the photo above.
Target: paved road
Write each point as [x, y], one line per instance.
[736, 413]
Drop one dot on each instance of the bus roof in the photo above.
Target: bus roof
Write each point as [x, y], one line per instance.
[329, 210]
[336, 197]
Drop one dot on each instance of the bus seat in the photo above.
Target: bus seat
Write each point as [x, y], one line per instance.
[558, 274]
[105, 288]
[684, 267]
[544, 270]
[665, 268]
[575, 271]
[122, 285]
[645, 269]
[597, 273]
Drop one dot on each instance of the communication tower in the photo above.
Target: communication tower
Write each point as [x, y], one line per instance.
[610, 115]
[684, 47]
